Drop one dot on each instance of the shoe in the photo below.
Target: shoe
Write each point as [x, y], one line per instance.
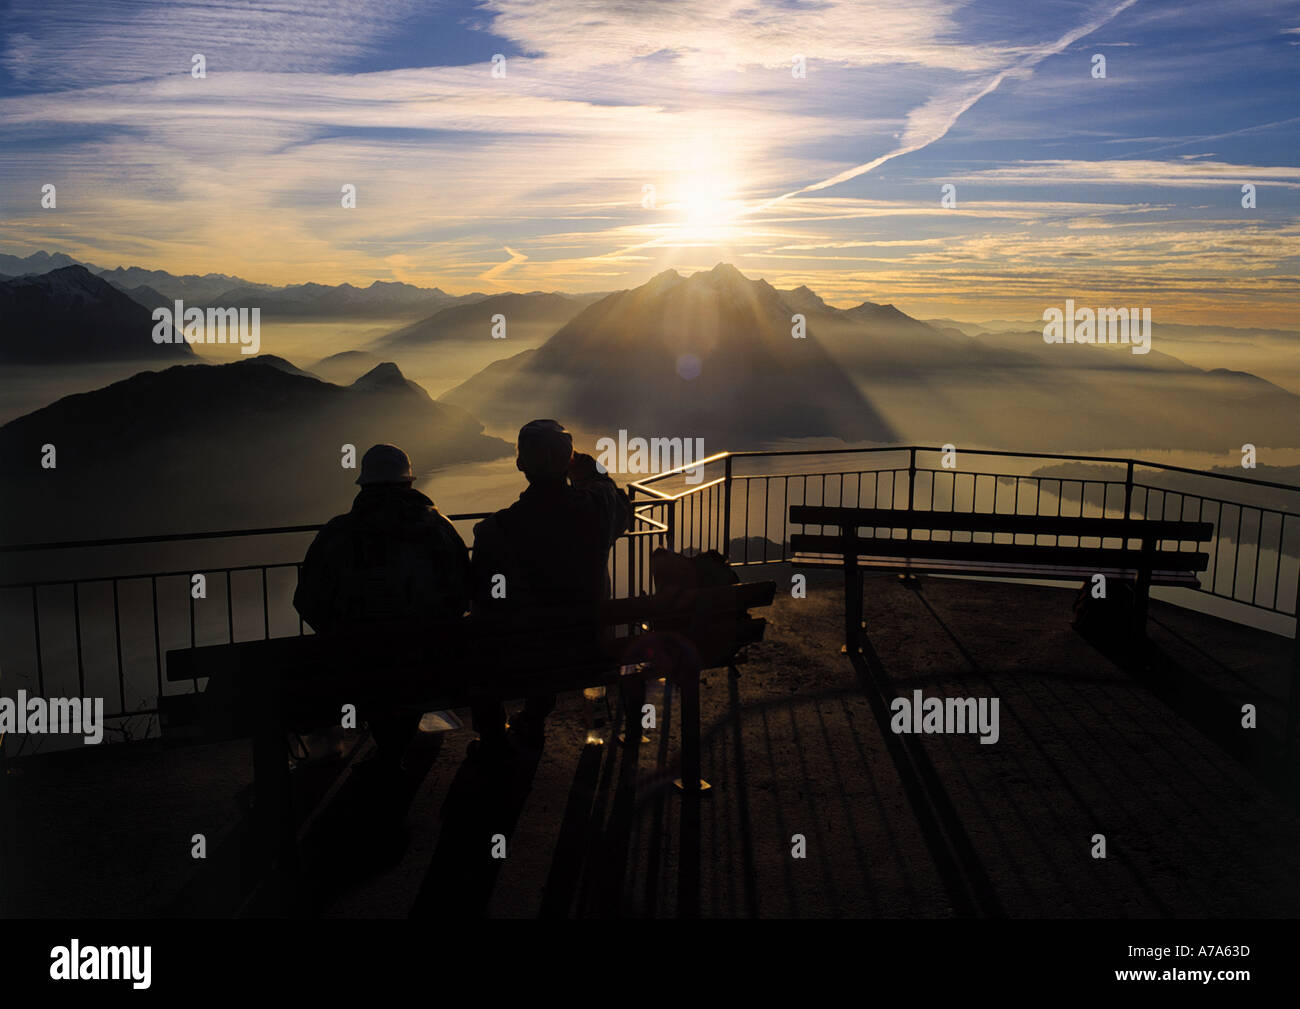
[529, 731]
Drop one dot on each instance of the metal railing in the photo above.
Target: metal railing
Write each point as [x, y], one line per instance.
[1254, 551]
[110, 632]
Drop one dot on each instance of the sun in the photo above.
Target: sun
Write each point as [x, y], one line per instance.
[707, 208]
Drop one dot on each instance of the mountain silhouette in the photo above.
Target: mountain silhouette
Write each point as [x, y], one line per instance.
[345, 367]
[474, 321]
[711, 355]
[69, 315]
[38, 262]
[381, 298]
[149, 298]
[254, 442]
[191, 288]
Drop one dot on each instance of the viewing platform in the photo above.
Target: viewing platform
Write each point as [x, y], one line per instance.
[818, 807]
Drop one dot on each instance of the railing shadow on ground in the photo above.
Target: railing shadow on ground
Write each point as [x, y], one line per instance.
[1117, 751]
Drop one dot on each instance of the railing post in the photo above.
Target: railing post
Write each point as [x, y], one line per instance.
[853, 601]
[911, 475]
[8, 817]
[671, 522]
[726, 512]
[1293, 705]
[1128, 491]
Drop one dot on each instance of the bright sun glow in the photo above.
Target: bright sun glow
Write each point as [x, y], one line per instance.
[707, 207]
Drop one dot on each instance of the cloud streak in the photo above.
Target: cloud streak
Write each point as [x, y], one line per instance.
[933, 120]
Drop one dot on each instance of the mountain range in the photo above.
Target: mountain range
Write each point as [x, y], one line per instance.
[713, 355]
[380, 299]
[205, 446]
[152, 288]
[525, 314]
[710, 355]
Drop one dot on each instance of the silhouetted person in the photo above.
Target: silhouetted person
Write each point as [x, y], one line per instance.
[552, 547]
[393, 556]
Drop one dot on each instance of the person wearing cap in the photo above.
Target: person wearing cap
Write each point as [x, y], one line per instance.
[552, 547]
[393, 556]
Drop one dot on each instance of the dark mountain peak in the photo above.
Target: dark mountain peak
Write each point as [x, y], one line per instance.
[724, 276]
[387, 377]
[37, 262]
[886, 315]
[275, 449]
[874, 308]
[381, 374]
[659, 282]
[148, 297]
[1247, 378]
[70, 315]
[710, 354]
[804, 299]
[279, 364]
[70, 281]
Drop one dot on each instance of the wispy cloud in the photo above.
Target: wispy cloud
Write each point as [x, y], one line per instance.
[241, 172]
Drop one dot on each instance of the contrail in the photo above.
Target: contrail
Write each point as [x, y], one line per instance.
[1213, 136]
[515, 259]
[936, 131]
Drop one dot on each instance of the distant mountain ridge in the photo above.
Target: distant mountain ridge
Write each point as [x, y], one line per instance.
[380, 298]
[475, 320]
[714, 351]
[70, 315]
[615, 366]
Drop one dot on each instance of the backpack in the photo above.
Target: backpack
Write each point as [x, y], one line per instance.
[395, 562]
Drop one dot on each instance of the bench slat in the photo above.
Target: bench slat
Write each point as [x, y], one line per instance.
[1065, 525]
[1013, 553]
[548, 638]
[904, 565]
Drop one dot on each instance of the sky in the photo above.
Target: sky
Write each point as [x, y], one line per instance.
[632, 136]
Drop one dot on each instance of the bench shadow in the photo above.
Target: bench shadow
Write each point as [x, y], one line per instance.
[481, 803]
[561, 888]
[362, 832]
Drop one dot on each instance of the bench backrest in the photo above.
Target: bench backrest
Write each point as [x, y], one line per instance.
[537, 647]
[1151, 530]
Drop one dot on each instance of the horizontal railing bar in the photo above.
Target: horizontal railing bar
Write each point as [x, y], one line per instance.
[670, 498]
[1262, 509]
[697, 514]
[148, 574]
[643, 484]
[774, 453]
[178, 537]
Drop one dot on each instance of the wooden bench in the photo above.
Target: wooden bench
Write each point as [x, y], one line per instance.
[267, 688]
[944, 543]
